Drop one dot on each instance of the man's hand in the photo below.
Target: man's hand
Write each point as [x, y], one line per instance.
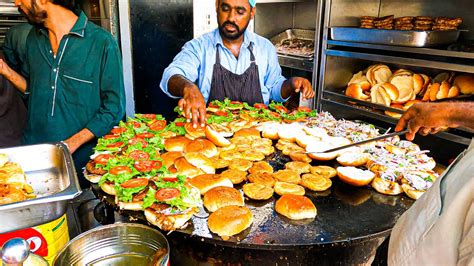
[76, 140]
[193, 105]
[427, 118]
[297, 84]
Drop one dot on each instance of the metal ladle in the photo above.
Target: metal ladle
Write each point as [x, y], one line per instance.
[15, 251]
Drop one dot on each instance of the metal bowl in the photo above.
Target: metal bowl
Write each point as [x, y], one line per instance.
[116, 244]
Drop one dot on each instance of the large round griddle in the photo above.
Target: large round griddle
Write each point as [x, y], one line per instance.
[346, 216]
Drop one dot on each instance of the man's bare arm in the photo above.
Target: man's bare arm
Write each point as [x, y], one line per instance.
[78, 139]
[193, 103]
[11, 75]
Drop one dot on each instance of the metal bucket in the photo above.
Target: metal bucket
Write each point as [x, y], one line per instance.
[116, 244]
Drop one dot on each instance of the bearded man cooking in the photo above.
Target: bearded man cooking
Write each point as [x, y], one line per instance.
[229, 62]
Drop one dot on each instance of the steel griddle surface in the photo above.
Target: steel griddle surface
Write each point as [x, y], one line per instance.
[345, 214]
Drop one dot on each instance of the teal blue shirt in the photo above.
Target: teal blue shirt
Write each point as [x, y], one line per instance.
[80, 87]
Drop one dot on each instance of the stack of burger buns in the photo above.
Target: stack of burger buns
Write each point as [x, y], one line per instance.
[402, 88]
[423, 23]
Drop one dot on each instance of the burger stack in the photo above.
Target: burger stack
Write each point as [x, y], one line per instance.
[423, 23]
[385, 23]
[445, 23]
[404, 23]
[367, 22]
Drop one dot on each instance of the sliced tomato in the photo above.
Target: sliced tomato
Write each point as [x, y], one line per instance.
[138, 155]
[274, 114]
[118, 130]
[170, 179]
[135, 182]
[179, 124]
[145, 135]
[166, 194]
[260, 106]
[110, 136]
[281, 109]
[211, 105]
[147, 166]
[221, 113]
[235, 102]
[149, 116]
[117, 170]
[137, 140]
[135, 124]
[172, 169]
[158, 125]
[103, 158]
[115, 144]
[304, 109]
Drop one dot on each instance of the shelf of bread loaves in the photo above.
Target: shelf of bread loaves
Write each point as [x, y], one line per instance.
[402, 88]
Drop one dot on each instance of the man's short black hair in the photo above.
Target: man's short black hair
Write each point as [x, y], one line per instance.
[72, 5]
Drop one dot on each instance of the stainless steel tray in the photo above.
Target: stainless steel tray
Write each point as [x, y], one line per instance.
[50, 171]
[292, 34]
[410, 38]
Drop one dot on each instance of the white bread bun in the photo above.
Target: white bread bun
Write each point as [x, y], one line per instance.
[391, 90]
[353, 159]
[201, 162]
[465, 82]
[289, 131]
[237, 125]
[386, 187]
[183, 167]
[315, 131]
[443, 90]
[132, 206]
[169, 222]
[354, 176]
[377, 74]
[434, 89]
[261, 167]
[282, 188]
[361, 79]
[295, 207]
[418, 83]
[240, 164]
[265, 179]
[315, 182]
[219, 197]
[356, 91]
[169, 157]
[288, 176]
[93, 178]
[298, 167]
[223, 130]
[454, 92]
[194, 133]
[207, 182]
[323, 170]
[303, 140]
[317, 146]
[300, 156]
[230, 220]
[411, 192]
[108, 188]
[235, 176]
[379, 95]
[409, 104]
[203, 146]
[394, 114]
[426, 95]
[404, 84]
[176, 143]
[257, 191]
[269, 129]
[216, 137]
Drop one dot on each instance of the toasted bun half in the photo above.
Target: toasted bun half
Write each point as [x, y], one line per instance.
[411, 192]
[261, 167]
[295, 207]
[282, 188]
[354, 176]
[207, 182]
[108, 188]
[317, 146]
[326, 171]
[215, 137]
[465, 82]
[132, 206]
[169, 157]
[386, 187]
[200, 161]
[176, 143]
[356, 91]
[353, 159]
[230, 220]
[287, 175]
[234, 175]
[298, 167]
[194, 133]
[247, 133]
[203, 146]
[315, 182]
[219, 197]
[257, 191]
[92, 177]
[240, 164]
[169, 222]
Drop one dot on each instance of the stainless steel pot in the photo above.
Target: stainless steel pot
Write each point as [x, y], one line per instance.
[116, 244]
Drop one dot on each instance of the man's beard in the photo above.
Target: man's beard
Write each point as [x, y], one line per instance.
[232, 36]
[33, 16]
